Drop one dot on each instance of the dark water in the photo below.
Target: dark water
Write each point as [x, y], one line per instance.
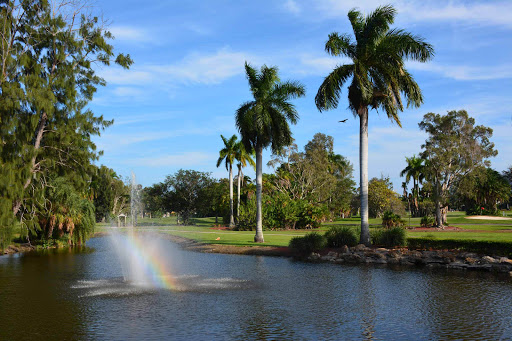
[81, 295]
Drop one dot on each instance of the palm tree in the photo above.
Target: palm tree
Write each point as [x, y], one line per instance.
[228, 154]
[416, 170]
[263, 122]
[379, 78]
[243, 157]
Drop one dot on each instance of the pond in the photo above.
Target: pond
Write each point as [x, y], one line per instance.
[81, 295]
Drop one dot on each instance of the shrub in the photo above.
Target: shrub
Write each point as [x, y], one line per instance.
[427, 221]
[337, 236]
[311, 242]
[395, 236]
[390, 219]
[310, 216]
[501, 248]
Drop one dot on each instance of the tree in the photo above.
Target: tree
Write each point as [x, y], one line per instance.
[185, 192]
[483, 188]
[379, 79]
[382, 198]
[102, 186]
[317, 175]
[263, 122]
[228, 154]
[415, 170]
[454, 147]
[508, 175]
[244, 158]
[152, 199]
[48, 54]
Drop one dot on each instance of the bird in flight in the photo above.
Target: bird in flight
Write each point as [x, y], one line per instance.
[343, 121]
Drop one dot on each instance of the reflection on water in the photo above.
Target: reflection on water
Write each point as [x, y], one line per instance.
[83, 295]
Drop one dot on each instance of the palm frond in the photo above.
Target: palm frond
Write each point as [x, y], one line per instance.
[357, 21]
[377, 23]
[407, 45]
[338, 45]
[329, 92]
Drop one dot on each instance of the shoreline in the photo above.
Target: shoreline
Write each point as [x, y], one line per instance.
[362, 255]
[357, 255]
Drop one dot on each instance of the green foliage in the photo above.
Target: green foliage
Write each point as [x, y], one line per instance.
[281, 212]
[317, 175]
[481, 190]
[186, 192]
[395, 236]
[47, 81]
[152, 199]
[427, 221]
[455, 146]
[381, 198]
[499, 248]
[247, 216]
[311, 242]
[337, 236]
[390, 219]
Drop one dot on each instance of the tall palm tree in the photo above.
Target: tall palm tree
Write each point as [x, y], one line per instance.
[263, 122]
[228, 154]
[379, 78]
[416, 170]
[244, 158]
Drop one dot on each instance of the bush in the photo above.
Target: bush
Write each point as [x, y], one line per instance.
[395, 236]
[427, 221]
[337, 236]
[390, 219]
[478, 246]
[311, 242]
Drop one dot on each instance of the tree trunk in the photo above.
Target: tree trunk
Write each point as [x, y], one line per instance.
[444, 213]
[37, 144]
[231, 218]
[238, 192]
[258, 238]
[363, 172]
[437, 199]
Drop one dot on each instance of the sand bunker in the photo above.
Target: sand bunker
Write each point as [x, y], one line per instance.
[487, 217]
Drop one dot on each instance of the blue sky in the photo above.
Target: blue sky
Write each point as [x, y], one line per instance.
[188, 78]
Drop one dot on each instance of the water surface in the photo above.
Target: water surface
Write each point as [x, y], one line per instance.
[82, 295]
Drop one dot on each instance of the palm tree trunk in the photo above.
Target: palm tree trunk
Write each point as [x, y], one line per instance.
[238, 192]
[363, 173]
[258, 238]
[231, 218]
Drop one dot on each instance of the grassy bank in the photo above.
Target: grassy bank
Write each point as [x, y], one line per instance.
[203, 231]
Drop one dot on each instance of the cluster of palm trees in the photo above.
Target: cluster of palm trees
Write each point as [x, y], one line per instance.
[378, 80]
[414, 170]
[234, 151]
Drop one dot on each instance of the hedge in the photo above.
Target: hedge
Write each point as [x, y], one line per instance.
[469, 245]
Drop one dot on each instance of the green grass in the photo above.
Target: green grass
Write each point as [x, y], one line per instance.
[484, 230]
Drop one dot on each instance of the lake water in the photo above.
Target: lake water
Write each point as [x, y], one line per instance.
[81, 295]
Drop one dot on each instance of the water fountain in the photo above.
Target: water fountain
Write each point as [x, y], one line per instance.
[135, 201]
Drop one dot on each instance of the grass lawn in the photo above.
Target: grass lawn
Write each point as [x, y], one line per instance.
[488, 230]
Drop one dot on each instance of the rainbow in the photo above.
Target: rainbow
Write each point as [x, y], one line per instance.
[145, 258]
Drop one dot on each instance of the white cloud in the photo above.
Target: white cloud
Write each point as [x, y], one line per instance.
[186, 159]
[118, 75]
[484, 13]
[292, 7]
[130, 34]
[126, 91]
[195, 68]
[316, 65]
[206, 68]
[465, 72]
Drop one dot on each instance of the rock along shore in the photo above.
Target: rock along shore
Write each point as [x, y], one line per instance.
[452, 259]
